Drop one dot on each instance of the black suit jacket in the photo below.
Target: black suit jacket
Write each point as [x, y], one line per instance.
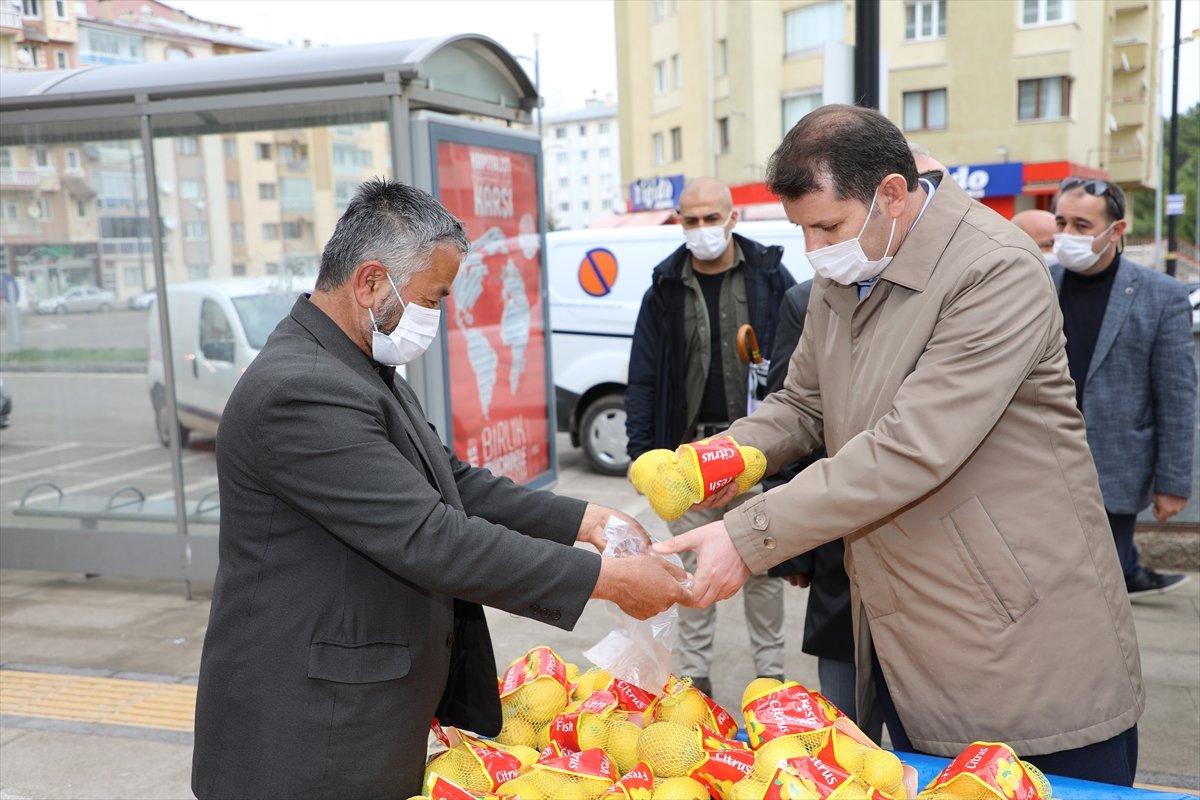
[827, 622]
[353, 546]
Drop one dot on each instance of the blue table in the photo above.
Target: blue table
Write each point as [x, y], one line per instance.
[928, 768]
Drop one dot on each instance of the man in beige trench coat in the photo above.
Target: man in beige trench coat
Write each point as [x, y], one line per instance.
[989, 604]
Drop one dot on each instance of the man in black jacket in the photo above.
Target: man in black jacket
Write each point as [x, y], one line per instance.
[828, 626]
[686, 382]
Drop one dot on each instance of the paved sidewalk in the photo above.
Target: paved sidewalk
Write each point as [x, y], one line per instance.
[95, 673]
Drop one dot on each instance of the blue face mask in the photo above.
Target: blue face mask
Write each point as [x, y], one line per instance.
[411, 337]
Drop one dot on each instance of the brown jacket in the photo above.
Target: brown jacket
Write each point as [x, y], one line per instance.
[977, 545]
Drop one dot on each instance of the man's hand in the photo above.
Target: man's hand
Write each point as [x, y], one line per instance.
[718, 500]
[720, 571]
[641, 585]
[595, 518]
[1167, 506]
[800, 581]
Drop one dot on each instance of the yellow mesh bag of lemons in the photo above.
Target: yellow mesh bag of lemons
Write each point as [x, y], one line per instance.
[673, 481]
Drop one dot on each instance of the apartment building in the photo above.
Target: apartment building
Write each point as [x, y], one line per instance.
[1012, 94]
[581, 153]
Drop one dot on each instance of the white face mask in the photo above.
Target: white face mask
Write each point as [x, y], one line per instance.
[1075, 252]
[412, 336]
[708, 242]
[845, 262]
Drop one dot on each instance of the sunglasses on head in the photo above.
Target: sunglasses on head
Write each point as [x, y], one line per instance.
[1096, 188]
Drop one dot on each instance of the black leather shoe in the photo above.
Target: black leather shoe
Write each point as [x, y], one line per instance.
[1147, 582]
[704, 684]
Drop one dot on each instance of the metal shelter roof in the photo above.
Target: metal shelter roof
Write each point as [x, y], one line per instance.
[465, 73]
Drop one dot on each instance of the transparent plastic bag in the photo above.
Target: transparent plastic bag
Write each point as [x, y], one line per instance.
[637, 651]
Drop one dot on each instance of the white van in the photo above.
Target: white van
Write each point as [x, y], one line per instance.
[217, 328]
[597, 279]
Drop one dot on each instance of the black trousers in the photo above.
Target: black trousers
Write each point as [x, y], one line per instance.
[1111, 761]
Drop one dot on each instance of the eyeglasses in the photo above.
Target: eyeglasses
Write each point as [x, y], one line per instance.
[1097, 188]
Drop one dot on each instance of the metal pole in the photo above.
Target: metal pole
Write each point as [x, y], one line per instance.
[1158, 183]
[866, 53]
[537, 84]
[168, 348]
[1172, 243]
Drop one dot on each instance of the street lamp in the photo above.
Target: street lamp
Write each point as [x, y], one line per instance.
[537, 80]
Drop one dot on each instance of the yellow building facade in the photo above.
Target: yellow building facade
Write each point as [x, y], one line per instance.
[1058, 86]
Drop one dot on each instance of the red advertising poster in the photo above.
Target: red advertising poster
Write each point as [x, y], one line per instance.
[494, 315]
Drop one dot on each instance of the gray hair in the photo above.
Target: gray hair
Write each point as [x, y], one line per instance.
[392, 223]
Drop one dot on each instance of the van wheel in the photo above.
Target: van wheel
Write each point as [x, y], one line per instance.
[162, 420]
[602, 433]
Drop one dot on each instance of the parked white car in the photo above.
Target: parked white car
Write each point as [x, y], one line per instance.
[217, 328]
[77, 298]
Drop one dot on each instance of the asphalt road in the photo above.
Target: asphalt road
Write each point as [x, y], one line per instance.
[119, 328]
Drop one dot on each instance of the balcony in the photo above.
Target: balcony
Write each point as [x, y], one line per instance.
[1130, 56]
[10, 21]
[21, 178]
[1129, 112]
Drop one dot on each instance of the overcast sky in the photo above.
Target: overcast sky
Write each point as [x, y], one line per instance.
[576, 39]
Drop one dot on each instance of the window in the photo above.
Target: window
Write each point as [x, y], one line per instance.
[191, 190]
[237, 232]
[564, 207]
[605, 153]
[41, 158]
[660, 77]
[238, 269]
[266, 191]
[722, 58]
[564, 183]
[31, 8]
[606, 180]
[229, 148]
[60, 9]
[583, 155]
[583, 180]
[560, 133]
[343, 193]
[812, 26]
[561, 157]
[924, 19]
[1046, 12]
[675, 77]
[585, 205]
[1044, 98]
[660, 9]
[676, 144]
[295, 194]
[583, 130]
[42, 210]
[81, 209]
[293, 153]
[796, 106]
[72, 159]
[216, 334]
[109, 47]
[606, 204]
[723, 135]
[29, 55]
[9, 212]
[60, 59]
[925, 111]
[195, 231]
[659, 150]
[293, 230]
[178, 54]
[186, 146]
[602, 128]
[262, 151]
[233, 190]
[270, 231]
[5, 156]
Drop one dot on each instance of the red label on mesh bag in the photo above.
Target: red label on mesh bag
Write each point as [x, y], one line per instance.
[634, 785]
[994, 765]
[818, 777]
[786, 710]
[593, 763]
[538, 662]
[630, 697]
[719, 461]
[725, 763]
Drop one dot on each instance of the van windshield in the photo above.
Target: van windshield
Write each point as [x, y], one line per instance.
[260, 313]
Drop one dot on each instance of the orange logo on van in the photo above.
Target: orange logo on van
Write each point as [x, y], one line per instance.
[598, 272]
